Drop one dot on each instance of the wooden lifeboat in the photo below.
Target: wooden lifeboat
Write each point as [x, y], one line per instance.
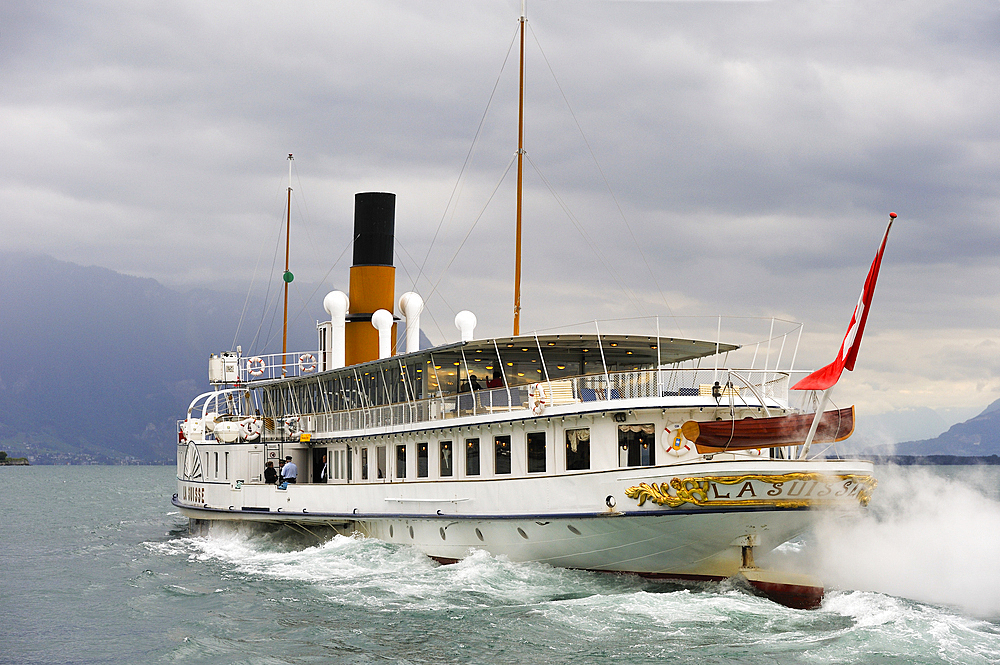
[752, 433]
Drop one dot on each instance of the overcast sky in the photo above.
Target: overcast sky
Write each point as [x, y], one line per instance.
[684, 158]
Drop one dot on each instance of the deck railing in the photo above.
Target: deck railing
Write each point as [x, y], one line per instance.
[687, 386]
[278, 366]
[679, 387]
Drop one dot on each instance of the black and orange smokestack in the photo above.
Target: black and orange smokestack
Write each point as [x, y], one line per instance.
[373, 277]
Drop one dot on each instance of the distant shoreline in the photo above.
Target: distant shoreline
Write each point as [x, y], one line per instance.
[933, 460]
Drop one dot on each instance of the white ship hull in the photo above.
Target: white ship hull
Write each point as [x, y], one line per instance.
[586, 520]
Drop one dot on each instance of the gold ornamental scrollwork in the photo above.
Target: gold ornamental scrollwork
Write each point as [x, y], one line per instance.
[818, 489]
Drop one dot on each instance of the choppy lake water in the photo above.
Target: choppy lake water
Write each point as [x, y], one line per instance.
[97, 567]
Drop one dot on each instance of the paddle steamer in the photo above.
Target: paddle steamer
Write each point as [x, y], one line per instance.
[633, 453]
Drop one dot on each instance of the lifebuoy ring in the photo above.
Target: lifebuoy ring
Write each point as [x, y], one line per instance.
[307, 363]
[677, 446]
[255, 366]
[250, 429]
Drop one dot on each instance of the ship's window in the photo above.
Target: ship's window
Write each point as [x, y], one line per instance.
[536, 452]
[216, 464]
[472, 457]
[636, 445]
[322, 349]
[501, 447]
[364, 464]
[340, 468]
[446, 468]
[401, 461]
[227, 466]
[578, 449]
[347, 463]
[380, 462]
[421, 460]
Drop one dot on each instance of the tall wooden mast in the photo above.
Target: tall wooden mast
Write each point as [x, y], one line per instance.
[287, 275]
[520, 159]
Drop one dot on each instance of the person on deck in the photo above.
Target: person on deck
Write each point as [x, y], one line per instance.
[496, 381]
[289, 472]
[270, 475]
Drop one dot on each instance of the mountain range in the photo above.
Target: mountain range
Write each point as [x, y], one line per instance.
[978, 437]
[96, 366]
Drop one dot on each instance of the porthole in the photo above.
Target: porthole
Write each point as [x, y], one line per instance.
[479, 535]
[523, 534]
[390, 531]
[573, 529]
[442, 533]
[411, 532]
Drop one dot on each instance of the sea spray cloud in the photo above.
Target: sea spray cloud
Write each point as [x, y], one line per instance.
[925, 536]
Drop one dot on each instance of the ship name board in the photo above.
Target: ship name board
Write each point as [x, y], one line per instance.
[790, 490]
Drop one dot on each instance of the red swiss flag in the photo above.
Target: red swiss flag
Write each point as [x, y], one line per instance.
[827, 376]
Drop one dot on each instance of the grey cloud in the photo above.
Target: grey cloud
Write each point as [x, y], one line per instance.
[755, 148]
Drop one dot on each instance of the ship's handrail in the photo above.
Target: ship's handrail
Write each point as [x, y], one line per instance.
[694, 386]
[278, 366]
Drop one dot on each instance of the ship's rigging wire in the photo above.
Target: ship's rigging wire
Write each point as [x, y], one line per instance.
[319, 285]
[264, 305]
[401, 248]
[586, 236]
[253, 279]
[304, 302]
[246, 301]
[604, 177]
[312, 245]
[456, 190]
[450, 211]
[303, 207]
[451, 207]
[472, 227]
[267, 292]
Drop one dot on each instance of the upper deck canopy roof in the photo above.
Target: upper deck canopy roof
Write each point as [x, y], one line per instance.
[562, 355]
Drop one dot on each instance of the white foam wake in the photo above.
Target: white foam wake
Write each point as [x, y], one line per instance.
[926, 537]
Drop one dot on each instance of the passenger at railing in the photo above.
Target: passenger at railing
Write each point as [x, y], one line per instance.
[289, 472]
[270, 475]
[474, 382]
